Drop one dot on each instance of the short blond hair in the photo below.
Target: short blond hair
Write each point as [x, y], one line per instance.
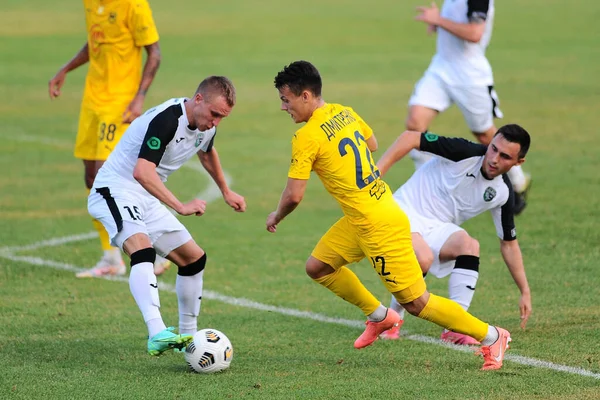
[215, 86]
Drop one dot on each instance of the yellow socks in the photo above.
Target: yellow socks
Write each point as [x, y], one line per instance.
[452, 316]
[345, 284]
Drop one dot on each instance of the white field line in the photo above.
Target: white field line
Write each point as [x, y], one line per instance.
[8, 253]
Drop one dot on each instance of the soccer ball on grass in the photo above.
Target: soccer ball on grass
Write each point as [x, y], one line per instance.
[209, 351]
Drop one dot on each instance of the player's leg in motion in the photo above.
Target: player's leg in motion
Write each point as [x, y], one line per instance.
[92, 135]
[404, 279]
[425, 258]
[144, 288]
[190, 260]
[464, 250]
[111, 262]
[327, 266]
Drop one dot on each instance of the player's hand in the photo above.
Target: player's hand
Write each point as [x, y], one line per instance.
[272, 222]
[194, 207]
[525, 308]
[430, 15]
[56, 83]
[235, 201]
[134, 109]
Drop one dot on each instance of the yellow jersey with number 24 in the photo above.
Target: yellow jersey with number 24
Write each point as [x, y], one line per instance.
[333, 144]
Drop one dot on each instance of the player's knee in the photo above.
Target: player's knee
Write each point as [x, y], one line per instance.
[316, 269]
[147, 255]
[194, 268]
[470, 247]
[417, 305]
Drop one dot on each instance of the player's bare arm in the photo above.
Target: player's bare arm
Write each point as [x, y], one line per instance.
[471, 32]
[290, 198]
[136, 106]
[212, 164]
[145, 173]
[511, 252]
[401, 147]
[372, 143]
[55, 84]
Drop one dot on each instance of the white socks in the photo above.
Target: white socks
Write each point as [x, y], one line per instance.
[491, 336]
[461, 286]
[394, 305]
[517, 178]
[378, 315]
[189, 297]
[144, 288]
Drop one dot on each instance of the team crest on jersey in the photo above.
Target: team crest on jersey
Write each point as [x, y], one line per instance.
[199, 138]
[112, 17]
[489, 194]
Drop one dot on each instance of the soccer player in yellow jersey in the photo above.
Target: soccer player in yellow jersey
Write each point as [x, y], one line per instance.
[337, 144]
[115, 89]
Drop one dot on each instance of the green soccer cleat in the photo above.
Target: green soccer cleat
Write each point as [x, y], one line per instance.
[167, 340]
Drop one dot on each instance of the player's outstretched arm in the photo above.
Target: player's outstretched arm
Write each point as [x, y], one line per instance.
[401, 147]
[55, 84]
[212, 164]
[471, 31]
[511, 252]
[290, 198]
[145, 173]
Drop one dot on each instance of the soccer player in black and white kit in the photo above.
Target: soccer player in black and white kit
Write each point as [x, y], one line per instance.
[460, 73]
[129, 189]
[465, 180]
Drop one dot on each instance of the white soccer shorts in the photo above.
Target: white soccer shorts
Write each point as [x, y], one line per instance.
[478, 104]
[435, 233]
[125, 212]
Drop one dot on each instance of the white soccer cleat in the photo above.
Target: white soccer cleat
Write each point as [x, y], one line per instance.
[104, 267]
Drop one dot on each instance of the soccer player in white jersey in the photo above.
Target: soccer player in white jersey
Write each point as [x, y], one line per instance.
[465, 180]
[129, 189]
[460, 73]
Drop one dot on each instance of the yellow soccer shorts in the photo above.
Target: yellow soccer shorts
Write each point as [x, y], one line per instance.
[98, 132]
[387, 244]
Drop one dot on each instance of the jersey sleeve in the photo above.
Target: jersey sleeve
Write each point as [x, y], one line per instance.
[304, 153]
[477, 10]
[454, 149]
[161, 130]
[504, 216]
[141, 24]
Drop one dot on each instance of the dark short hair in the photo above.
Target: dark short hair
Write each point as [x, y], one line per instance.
[516, 134]
[299, 76]
[215, 86]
